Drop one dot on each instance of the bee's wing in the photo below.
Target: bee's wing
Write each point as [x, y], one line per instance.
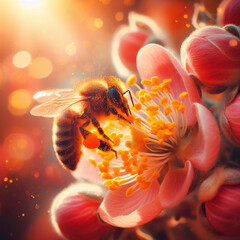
[48, 95]
[54, 107]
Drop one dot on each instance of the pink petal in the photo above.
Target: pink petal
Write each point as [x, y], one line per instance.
[121, 211]
[155, 60]
[204, 146]
[85, 169]
[175, 185]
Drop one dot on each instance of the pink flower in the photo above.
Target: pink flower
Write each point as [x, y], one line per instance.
[212, 55]
[220, 194]
[228, 12]
[128, 40]
[171, 135]
[230, 120]
[74, 212]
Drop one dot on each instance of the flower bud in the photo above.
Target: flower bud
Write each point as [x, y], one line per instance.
[223, 211]
[212, 55]
[228, 12]
[74, 212]
[130, 44]
[230, 121]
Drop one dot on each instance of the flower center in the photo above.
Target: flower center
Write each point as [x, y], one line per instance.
[147, 145]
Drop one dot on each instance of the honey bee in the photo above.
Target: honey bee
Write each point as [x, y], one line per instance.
[76, 111]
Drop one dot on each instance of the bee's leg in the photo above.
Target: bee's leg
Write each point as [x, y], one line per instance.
[105, 147]
[83, 131]
[100, 130]
[114, 112]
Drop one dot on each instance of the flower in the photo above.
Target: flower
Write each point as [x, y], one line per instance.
[219, 195]
[128, 40]
[212, 55]
[230, 120]
[228, 12]
[170, 135]
[74, 212]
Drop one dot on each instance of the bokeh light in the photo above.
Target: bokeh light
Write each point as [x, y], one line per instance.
[19, 146]
[21, 59]
[31, 2]
[71, 49]
[19, 101]
[41, 67]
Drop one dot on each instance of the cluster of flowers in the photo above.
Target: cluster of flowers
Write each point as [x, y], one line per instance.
[178, 161]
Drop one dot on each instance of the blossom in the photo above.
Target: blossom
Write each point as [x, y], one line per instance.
[230, 119]
[219, 194]
[74, 212]
[228, 12]
[212, 55]
[171, 135]
[128, 40]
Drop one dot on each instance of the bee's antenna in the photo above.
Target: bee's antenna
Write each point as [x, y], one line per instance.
[131, 100]
[130, 96]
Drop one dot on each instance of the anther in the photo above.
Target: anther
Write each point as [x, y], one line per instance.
[131, 80]
[146, 82]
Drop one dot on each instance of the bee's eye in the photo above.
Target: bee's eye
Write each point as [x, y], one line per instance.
[115, 97]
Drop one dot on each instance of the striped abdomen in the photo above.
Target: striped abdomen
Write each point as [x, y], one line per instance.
[67, 140]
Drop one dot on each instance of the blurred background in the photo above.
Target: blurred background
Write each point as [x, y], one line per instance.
[47, 44]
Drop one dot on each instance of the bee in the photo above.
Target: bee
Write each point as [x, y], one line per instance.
[77, 111]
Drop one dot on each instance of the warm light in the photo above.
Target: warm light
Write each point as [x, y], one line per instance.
[19, 146]
[119, 16]
[71, 49]
[40, 68]
[21, 59]
[31, 2]
[19, 101]
[98, 23]
[233, 42]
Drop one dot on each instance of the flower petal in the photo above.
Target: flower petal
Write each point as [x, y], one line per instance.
[154, 60]
[121, 211]
[204, 146]
[175, 185]
[86, 170]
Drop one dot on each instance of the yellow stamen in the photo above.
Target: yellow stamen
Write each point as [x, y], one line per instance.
[183, 95]
[152, 108]
[107, 183]
[147, 97]
[146, 82]
[130, 191]
[142, 99]
[163, 101]
[106, 175]
[116, 170]
[138, 106]
[131, 80]
[153, 94]
[175, 103]
[141, 92]
[155, 80]
[92, 161]
[167, 111]
[167, 81]
[155, 88]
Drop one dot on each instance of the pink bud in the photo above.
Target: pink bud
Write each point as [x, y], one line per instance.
[230, 121]
[223, 211]
[229, 12]
[212, 55]
[75, 212]
[130, 44]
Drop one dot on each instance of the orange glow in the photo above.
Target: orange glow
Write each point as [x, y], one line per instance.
[19, 146]
[40, 68]
[71, 49]
[233, 42]
[21, 59]
[119, 16]
[19, 101]
[98, 23]
[31, 2]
